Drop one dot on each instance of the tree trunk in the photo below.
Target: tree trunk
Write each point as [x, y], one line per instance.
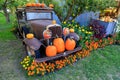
[6, 14]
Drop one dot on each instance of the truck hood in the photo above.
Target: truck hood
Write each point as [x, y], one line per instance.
[40, 23]
[38, 26]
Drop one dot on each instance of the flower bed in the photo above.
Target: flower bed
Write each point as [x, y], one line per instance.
[34, 68]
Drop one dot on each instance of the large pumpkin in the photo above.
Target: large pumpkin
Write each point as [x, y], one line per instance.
[70, 44]
[51, 51]
[59, 44]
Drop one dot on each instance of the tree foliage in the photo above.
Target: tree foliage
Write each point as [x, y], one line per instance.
[11, 5]
[67, 8]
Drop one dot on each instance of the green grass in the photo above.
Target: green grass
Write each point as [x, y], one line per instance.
[5, 29]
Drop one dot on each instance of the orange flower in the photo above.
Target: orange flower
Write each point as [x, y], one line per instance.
[32, 67]
[108, 38]
[100, 40]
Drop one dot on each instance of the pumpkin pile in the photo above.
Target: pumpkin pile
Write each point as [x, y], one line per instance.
[59, 46]
[35, 5]
[42, 5]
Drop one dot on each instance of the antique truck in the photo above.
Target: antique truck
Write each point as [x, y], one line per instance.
[36, 20]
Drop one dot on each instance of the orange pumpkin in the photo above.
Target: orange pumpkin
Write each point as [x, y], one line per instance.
[54, 22]
[38, 4]
[70, 44]
[51, 5]
[33, 4]
[71, 30]
[51, 51]
[42, 5]
[28, 4]
[59, 44]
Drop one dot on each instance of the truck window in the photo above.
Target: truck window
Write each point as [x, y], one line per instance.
[41, 16]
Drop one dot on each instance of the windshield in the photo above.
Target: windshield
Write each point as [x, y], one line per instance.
[39, 16]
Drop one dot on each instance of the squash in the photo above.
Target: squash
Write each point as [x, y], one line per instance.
[70, 44]
[30, 36]
[51, 51]
[59, 44]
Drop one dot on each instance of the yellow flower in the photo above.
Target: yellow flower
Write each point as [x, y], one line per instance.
[90, 27]
[27, 64]
[64, 22]
[28, 57]
[72, 20]
[90, 32]
[86, 32]
[25, 59]
[23, 65]
[21, 62]
[73, 14]
[83, 30]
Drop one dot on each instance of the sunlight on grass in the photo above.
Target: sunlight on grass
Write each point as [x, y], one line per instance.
[5, 29]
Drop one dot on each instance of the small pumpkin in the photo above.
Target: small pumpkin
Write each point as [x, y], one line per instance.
[42, 5]
[54, 22]
[51, 5]
[71, 30]
[70, 44]
[30, 36]
[33, 4]
[59, 44]
[38, 4]
[28, 4]
[51, 51]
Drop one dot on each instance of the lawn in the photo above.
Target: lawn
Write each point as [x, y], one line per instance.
[102, 64]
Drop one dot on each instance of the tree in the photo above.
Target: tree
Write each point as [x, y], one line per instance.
[9, 4]
[72, 8]
[3, 6]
